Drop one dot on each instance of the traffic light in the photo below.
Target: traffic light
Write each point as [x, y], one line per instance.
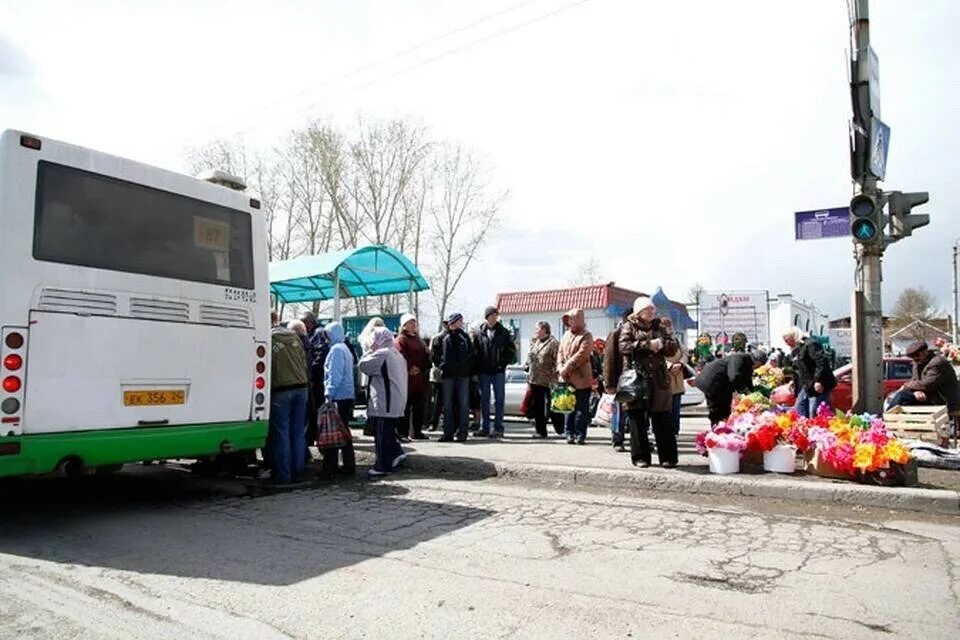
[902, 222]
[866, 218]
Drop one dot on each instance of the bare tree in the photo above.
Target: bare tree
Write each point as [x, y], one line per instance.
[414, 204]
[461, 217]
[587, 273]
[385, 159]
[694, 293]
[914, 304]
[222, 154]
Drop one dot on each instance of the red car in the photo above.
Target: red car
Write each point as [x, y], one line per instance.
[896, 371]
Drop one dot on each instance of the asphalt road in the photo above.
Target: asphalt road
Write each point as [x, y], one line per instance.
[158, 553]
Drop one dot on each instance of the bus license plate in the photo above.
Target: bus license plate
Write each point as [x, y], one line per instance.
[151, 398]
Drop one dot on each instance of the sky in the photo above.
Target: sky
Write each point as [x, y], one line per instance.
[672, 142]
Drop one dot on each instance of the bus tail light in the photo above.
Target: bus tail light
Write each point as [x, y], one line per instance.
[259, 397]
[13, 355]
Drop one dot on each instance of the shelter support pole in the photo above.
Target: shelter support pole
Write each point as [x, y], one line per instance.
[336, 295]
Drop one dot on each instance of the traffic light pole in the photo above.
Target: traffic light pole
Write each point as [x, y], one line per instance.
[868, 315]
[868, 363]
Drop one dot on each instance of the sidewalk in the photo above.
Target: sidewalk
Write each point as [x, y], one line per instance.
[598, 465]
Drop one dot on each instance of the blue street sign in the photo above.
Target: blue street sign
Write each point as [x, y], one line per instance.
[879, 145]
[823, 223]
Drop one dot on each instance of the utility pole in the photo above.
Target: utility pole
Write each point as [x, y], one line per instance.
[953, 323]
[870, 139]
[868, 348]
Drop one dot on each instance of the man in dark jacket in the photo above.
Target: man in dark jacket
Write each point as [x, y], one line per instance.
[813, 378]
[720, 379]
[495, 350]
[934, 382]
[455, 359]
[436, 381]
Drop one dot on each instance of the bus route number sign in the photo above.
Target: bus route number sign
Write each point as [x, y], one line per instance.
[211, 234]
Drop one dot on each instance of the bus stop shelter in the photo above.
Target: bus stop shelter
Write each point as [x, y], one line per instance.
[372, 270]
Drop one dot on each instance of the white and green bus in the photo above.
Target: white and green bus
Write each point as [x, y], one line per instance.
[134, 312]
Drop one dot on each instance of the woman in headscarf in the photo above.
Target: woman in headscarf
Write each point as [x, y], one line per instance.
[387, 371]
[366, 336]
[644, 345]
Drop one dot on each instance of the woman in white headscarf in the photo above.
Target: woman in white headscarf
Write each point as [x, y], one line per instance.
[366, 336]
[387, 371]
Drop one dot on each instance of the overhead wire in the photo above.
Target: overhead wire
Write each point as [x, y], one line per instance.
[421, 63]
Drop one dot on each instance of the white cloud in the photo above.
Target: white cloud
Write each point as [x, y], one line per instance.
[673, 141]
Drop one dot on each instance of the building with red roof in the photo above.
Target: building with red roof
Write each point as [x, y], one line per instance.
[603, 306]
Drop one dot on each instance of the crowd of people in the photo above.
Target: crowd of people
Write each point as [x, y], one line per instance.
[415, 384]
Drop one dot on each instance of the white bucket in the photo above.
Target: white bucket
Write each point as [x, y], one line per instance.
[723, 461]
[780, 459]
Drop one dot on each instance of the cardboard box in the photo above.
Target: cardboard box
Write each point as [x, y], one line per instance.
[818, 467]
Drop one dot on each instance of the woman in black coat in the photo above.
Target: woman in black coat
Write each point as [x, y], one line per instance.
[720, 379]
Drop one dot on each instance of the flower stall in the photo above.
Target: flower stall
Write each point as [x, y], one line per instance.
[834, 444]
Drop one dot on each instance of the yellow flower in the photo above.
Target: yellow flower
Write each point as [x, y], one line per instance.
[894, 451]
[863, 457]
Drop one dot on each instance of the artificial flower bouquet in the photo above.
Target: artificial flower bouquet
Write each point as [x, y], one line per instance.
[949, 351]
[563, 400]
[720, 437]
[750, 403]
[722, 446]
[767, 378]
[858, 447]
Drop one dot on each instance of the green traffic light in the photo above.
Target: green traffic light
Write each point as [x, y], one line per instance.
[864, 230]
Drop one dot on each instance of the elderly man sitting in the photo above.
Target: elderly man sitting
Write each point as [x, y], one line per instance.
[934, 382]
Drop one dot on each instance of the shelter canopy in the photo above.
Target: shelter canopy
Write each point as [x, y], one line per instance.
[372, 270]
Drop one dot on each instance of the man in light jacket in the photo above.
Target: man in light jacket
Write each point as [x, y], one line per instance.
[339, 388]
[573, 366]
[387, 400]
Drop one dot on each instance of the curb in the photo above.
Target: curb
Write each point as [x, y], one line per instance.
[939, 501]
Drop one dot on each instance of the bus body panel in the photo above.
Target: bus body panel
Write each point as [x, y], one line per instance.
[80, 368]
[157, 332]
[43, 453]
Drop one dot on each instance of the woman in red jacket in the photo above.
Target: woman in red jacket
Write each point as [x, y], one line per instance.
[414, 350]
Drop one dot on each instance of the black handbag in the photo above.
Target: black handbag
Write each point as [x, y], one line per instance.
[632, 387]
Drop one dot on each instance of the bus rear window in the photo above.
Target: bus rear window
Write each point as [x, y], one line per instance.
[91, 220]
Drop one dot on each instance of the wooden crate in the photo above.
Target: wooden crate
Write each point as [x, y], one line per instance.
[921, 422]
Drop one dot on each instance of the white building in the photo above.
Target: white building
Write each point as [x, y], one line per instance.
[776, 317]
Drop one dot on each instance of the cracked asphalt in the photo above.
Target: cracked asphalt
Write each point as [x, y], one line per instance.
[162, 554]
